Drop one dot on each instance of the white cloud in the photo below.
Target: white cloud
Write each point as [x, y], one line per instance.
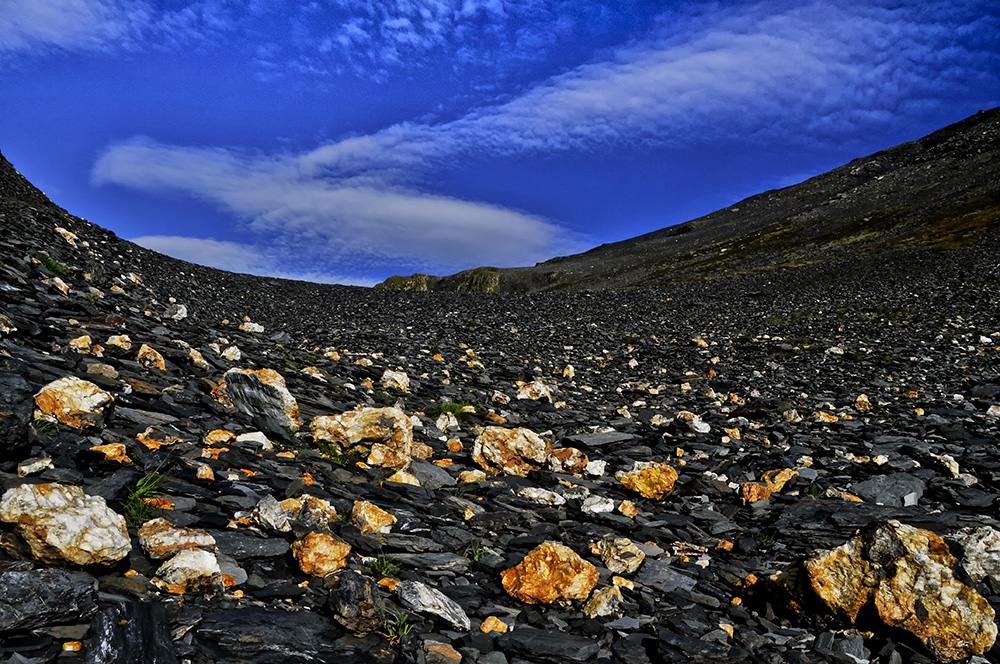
[76, 25]
[360, 218]
[236, 257]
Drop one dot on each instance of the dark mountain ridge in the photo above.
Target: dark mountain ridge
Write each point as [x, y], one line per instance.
[936, 193]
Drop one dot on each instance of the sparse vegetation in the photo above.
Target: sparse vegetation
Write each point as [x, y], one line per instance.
[383, 566]
[47, 428]
[396, 625]
[53, 265]
[138, 509]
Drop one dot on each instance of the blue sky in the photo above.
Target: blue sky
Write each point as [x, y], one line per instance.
[345, 141]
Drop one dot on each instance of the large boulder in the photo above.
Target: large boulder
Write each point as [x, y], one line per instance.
[58, 524]
[510, 451]
[45, 597]
[73, 402]
[261, 394]
[550, 572]
[903, 576]
[383, 435]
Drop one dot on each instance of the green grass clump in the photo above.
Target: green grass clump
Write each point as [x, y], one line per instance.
[53, 265]
[47, 428]
[137, 508]
[383, 566]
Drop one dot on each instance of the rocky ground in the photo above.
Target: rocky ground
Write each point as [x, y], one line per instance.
[793, 466]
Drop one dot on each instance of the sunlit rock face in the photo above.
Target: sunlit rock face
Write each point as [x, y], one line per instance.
[620, 554]
[904, 576]
[649, 479]
[550, 572]
[160, 539]
[568, 460]
[150, 358]
[74, 402]
[395, 380]
[510, 451]
[384, 435]
[58, 525]
[261, 394]
[319, 554]
[370, 518]
[192, 570]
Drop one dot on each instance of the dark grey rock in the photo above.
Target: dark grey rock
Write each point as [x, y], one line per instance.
[660, 575]
[355, 603]
[431, 477]
[131, 633]
[242, 547]
[547, 646]
[897, 490]
[37, 598]
[15, 412]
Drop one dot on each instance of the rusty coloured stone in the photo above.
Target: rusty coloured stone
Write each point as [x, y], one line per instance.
[319, 554]
[384, 434]
[150, 359]
[775, 480]
[58, 524]
[904, 575]
[550, 572]
[73, 402]
[161, 539]
[510, 451]
[753, 492]
[649, 479]
[568, 460]
[370, 518]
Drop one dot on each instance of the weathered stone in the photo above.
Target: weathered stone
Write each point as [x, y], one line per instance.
[620, 554]
[15, 411]
[752, 492]
[161, 539]
[980, 552]
[441, 653]
[420, 597]
[510, 451]
[355, 603]
[60, 524]
[903, 574]
[604, 602]
[43, 597]
[534, 391]
[121, 341]
[550, 572]
[897, 489]
[541, 645]
[649, 479]
[262, 395]
[493, 624]
[385, 435]
[319, 554]
[370, 518]
[395, 380]
[76, 403]
[193, 570]
[310, 511]
[775, 480]
[270, 515]
[132, 633]
[568, 460]
[541, 496]
[150, 359]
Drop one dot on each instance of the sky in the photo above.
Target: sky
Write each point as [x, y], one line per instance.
[344, 141]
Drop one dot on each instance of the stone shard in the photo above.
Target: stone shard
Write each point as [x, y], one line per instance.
[43, 597]
[620, 554]
[319, 554]
[355, 603]
[73, 402]
[59, 524]
[261, 394]
[310, 511]
[649, 479]
[370, 518]
[534, 391]
[385, 435]
[395, 380]
[904, 576]
[548, 646]
[603, 603]
[161, 539]
[568, 460]
[15, 411]
[550, 572]
[149, 358]
[193, 570]
[510, 451]
[420, 597]
[132, 633]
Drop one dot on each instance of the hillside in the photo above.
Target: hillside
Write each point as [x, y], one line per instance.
[789, 465]
[933, 194]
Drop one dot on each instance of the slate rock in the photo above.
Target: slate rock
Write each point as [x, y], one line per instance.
[15, 413]
[355, 603]
[257, 636]
[548, 646]
[131, 633]
[897, 489]
[38, 598]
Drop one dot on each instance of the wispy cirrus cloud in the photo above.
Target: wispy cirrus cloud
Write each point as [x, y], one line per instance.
[792, 70]
[77, 25]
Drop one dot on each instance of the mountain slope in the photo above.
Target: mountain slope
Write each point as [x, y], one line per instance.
[939, 192]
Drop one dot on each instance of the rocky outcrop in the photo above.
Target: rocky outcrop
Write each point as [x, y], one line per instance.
[382, 435]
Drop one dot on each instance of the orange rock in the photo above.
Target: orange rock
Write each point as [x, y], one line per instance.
[649, 479]
[73, 402]
[534, 391]
[119, 341]
[81, 344]
[752, 492]
[162, 539]
[568, 460]
[550, 572]
[441, 653]
[113, 452]
[493, 624]
[150, 359]
[862, 403]
[454, 445]
[904, 576]
[824, 417]
[319, 554]
[777, 479]
[389, 583]
[370, 518]
[510, 451]
[219, 437]
[628, 508]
